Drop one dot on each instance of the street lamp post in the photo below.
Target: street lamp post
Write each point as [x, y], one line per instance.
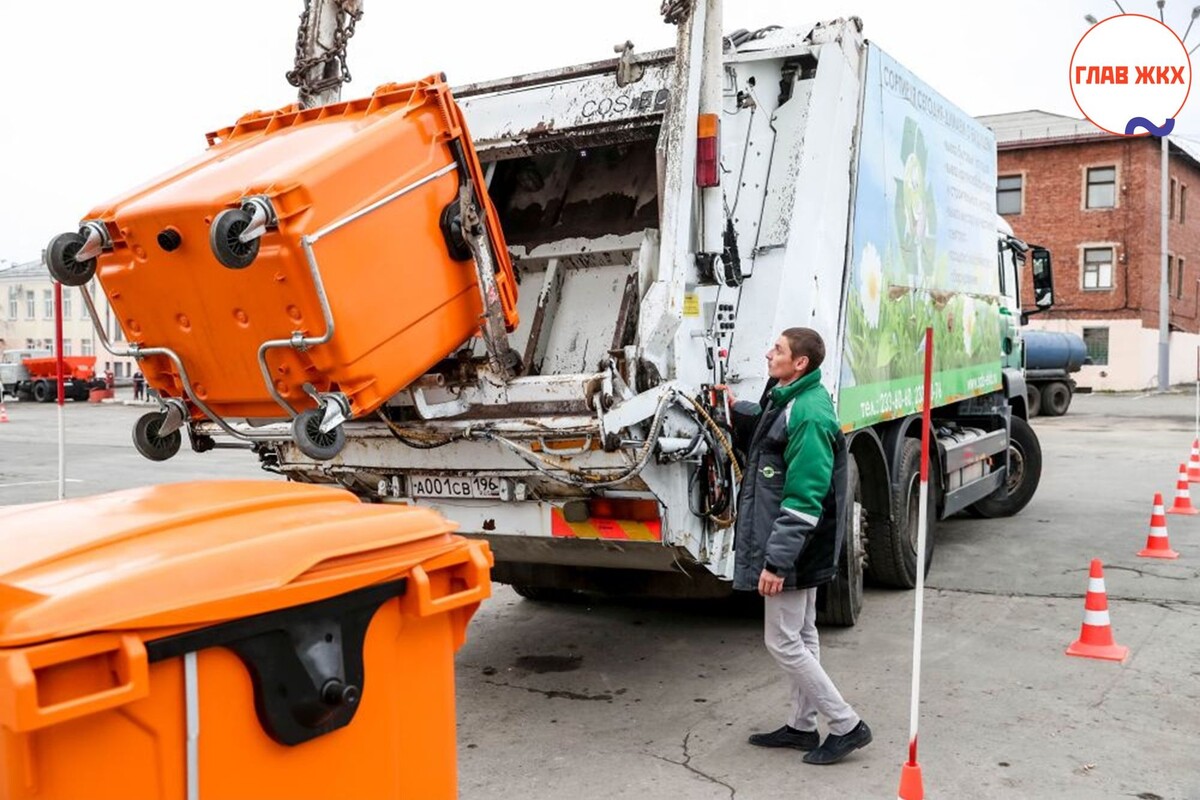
[1164, 292]
[1164, 297]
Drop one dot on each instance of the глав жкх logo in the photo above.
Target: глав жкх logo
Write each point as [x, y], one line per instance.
[1131, 75]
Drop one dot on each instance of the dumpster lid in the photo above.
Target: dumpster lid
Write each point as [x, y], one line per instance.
[191, 553]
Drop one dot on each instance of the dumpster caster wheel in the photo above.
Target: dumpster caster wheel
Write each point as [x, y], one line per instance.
[149, 443]
[452, 232]
[60, 258]
[312, 441]
[231, 251]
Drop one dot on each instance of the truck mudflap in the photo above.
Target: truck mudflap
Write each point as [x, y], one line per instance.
[1016, 391]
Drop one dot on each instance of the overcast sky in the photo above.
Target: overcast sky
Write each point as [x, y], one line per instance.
[99, 96]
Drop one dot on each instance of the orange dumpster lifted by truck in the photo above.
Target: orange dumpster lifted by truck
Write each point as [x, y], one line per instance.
[231, 639]
[309, 266]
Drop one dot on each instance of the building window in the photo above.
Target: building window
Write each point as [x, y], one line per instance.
[48, 303]
[1097, 268]
[1171, 199]
[66, 304]
[1182, 202]
[85, 347]
[1102, 187]
[1179, 276]
[14, 302]
[1170, 274]
[1096, 342]
[66, 347]
[30, 305]
[1008, 194]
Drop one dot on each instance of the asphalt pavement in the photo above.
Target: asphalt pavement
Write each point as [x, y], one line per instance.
[611, 699]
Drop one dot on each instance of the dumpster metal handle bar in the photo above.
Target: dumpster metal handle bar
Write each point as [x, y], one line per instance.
[471, 565]
[297, 339]
[139, 352]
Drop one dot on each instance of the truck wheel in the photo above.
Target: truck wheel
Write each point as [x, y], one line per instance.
[1025, 470]
[1033, 399]
[149, 443]
[1056, 399]
[42, 391]
[844, 594]
[892, 549]
[312, 441]
[60, 259]
[228, 249]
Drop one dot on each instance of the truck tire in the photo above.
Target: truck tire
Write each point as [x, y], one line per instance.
[1056, 399]
[843, 596]
[892, 548]
[1033, 400]
[42, 391]
[1025, 458]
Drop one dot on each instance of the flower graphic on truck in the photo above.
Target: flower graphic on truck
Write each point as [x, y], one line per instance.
[870, 284]
[968, 323]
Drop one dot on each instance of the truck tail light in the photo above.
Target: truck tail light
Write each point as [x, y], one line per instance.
[708, 151]
[623, 508]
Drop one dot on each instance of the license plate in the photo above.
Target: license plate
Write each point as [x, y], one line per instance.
[442, 486]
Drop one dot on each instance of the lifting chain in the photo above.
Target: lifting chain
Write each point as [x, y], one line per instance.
[302, 75]
[675, 11]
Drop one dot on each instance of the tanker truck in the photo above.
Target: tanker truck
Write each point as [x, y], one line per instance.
[667, 214]
[1050, 359]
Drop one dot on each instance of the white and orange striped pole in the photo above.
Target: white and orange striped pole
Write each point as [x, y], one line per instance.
[912, 784]
[61, 376]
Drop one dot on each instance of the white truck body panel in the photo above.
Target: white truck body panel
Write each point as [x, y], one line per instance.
[597, 302]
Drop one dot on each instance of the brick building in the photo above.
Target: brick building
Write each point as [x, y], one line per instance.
[1094, 200]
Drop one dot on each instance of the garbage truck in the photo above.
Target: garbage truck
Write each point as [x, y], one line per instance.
[667, 214]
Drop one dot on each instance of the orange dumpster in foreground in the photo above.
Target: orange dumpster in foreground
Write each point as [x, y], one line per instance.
[232, 639]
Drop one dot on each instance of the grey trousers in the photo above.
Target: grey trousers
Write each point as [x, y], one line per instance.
[791, 637]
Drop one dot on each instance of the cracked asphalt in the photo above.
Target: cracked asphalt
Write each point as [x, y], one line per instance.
[660, 697]
[605, 700]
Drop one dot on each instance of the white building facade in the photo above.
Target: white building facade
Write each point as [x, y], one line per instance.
[27, 318]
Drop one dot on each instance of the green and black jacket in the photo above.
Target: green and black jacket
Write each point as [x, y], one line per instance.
[793, 489]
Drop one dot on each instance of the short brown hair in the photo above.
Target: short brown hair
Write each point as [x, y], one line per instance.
[806, 342]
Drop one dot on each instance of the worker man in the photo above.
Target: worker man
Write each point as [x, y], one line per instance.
[790, 529]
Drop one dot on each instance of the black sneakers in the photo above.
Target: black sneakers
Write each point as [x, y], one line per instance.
[835, 748]
[787, 736]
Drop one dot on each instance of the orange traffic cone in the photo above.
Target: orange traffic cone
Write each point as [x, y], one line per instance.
[1095, 637]
[1157, 544]
[3, 413]
[1183, 498]
[1194, 462]
[911, 785]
